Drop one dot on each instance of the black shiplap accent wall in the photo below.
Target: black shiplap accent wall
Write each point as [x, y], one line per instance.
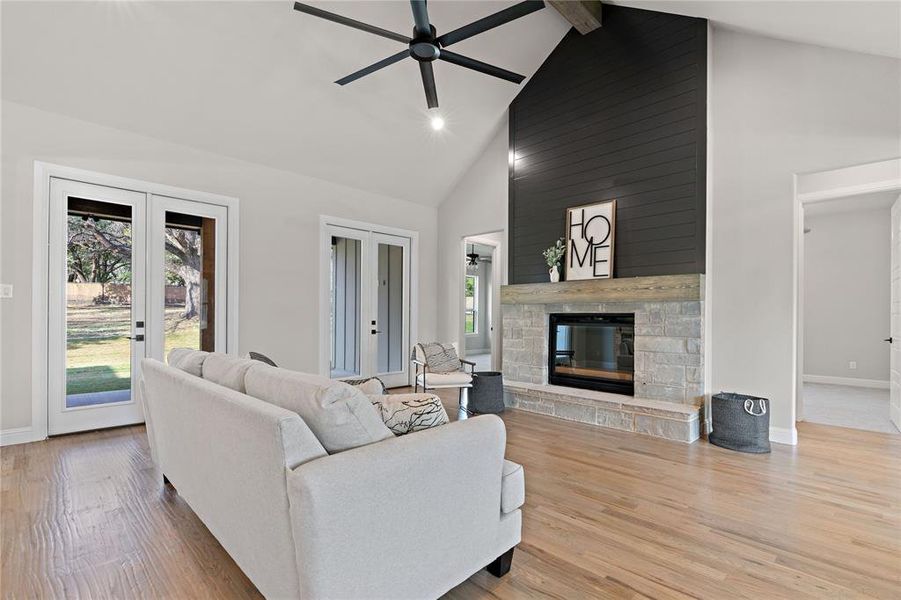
[618, 113]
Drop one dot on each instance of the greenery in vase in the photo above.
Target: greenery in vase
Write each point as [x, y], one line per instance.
[553, 254]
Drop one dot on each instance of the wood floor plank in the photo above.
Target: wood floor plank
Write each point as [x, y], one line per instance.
[608, 514]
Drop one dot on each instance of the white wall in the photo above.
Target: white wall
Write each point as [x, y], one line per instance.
[279, 235]
[478, 204]
[847, 270]
[779, 108]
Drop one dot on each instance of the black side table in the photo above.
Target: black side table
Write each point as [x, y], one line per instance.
[487, 392]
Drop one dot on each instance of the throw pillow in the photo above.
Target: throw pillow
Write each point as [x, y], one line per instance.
[441, 358]
[340, 415]
[262, 358]
[406, 413]
[371, 386]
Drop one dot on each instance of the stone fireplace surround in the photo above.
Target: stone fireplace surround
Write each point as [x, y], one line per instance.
[669, 352]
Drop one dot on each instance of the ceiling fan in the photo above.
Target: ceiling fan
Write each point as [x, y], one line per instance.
[426, 46]
[472, 259]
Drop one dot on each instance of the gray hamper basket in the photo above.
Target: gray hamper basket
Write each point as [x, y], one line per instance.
[487, 392]
[740, 422]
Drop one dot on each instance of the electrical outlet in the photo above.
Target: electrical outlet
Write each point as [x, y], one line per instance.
[852, 364]
[6, 290]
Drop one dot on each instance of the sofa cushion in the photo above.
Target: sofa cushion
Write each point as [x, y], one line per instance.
[228, 371]
[188, 360]
[456, 379]
[340, 415]
[513, 487]
[406, 413]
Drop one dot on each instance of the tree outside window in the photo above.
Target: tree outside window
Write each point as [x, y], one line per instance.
[471, 305]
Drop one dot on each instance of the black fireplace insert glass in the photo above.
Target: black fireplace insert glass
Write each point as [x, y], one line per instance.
[592, 351]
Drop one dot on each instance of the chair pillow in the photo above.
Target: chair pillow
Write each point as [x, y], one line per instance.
[440, 358]
[340, 415]
[406, 413]
[188, 360]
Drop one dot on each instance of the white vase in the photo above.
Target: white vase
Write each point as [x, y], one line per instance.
[555, 274]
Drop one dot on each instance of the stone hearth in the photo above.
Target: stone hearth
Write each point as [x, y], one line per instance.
[668, 349]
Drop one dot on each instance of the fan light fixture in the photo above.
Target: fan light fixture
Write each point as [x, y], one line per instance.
[472, 260]
[426, 46]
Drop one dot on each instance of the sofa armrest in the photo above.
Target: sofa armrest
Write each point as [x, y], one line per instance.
[408, 517]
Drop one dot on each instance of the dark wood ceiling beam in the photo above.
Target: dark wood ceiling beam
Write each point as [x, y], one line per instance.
[585, 15]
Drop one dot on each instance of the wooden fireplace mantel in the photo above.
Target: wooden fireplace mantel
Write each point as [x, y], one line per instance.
[659, 288]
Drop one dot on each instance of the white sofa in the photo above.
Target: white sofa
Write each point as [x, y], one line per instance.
[405, 517]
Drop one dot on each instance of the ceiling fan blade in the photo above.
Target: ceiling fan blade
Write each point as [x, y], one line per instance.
[491, 21]
[477, 65]
[324, 14]
[421, 17]
[428, 82]
[374, 67]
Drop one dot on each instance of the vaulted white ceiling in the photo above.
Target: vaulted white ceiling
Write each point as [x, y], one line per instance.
[254, 80]
[868, 26]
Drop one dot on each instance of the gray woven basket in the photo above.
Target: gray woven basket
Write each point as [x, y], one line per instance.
[740, 422]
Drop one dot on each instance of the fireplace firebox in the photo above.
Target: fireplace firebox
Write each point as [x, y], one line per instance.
[592, 351]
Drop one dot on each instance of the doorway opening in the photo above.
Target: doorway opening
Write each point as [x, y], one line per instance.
[482, 277]
[849, 256]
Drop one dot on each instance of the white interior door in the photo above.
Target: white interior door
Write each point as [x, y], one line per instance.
[187, 276]
[368, 304]
[895, 337]
[96, 305]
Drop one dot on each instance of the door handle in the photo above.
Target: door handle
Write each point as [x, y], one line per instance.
[373, 331]
[137, 338]
[888, 339]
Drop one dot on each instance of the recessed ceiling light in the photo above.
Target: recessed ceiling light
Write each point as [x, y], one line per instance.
[437, 123]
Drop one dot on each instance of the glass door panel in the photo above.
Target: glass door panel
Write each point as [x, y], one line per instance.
[346, 306]
[390, 326]
[96, 306]
[188, 274]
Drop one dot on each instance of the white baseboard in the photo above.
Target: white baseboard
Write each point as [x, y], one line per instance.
[852, 381]
[17, 435]
[783, 435]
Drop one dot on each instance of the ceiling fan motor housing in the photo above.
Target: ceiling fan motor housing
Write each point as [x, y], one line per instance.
[425, 48]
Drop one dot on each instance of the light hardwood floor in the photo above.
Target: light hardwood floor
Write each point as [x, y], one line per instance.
[607, 515]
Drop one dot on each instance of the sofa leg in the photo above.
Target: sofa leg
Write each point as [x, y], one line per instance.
[501, 564]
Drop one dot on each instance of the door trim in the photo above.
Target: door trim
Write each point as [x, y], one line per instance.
[40, 268]
[324, 253]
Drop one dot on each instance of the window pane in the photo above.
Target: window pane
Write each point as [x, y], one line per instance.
[390, 308]
[98, 303]
[185, 280]
[346, 281]
[470, 322]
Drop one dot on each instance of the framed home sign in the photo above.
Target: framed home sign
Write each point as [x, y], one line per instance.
[589, 241]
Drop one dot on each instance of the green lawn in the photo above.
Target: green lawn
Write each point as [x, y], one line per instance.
[98, 353]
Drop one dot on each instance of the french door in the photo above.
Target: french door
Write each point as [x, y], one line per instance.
[131, 275]
[369, 305]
